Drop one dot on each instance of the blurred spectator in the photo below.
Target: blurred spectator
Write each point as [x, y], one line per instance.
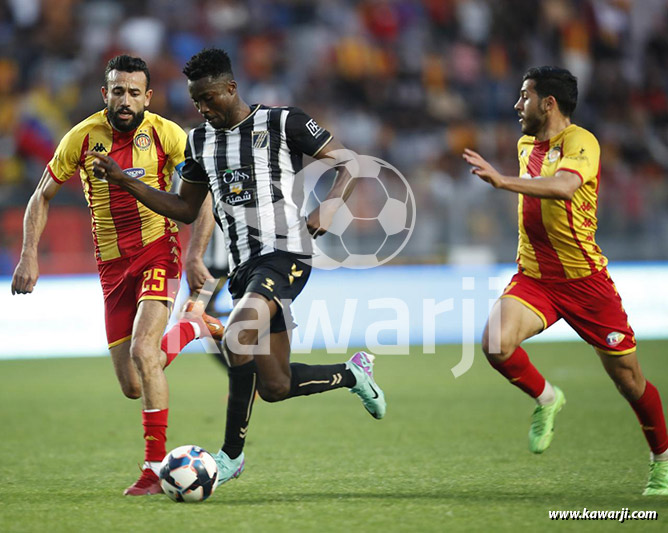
[409, 81]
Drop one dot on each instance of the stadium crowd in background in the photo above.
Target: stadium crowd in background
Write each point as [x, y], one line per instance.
[410, 81]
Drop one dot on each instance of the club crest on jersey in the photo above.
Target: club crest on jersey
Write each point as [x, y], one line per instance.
[260, 139]
[554, 154]
[614, 338]
[143, 141]
[135, 172]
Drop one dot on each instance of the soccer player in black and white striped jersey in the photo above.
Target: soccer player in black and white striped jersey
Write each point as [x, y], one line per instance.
[249, 158]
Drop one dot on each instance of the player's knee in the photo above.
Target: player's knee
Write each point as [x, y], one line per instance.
[274, 391]
[131, 390]
[144, 356]
[630, 385]
[235, 340]
[498, 349]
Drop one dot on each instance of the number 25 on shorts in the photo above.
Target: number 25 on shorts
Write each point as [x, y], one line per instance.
[154, 280]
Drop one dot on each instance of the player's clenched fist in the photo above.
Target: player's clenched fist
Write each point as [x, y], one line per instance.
[105, 168]
[25, 276]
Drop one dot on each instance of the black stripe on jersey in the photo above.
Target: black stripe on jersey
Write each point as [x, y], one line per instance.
[199, 138]
[252, 210]
[274, 124]
[296, 158]
[221, 165]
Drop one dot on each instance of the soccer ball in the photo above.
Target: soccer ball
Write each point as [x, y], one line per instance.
[188, 474]
[376, 221]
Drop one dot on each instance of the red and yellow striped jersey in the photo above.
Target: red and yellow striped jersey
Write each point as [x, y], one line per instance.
[557, 237]
[121, 225]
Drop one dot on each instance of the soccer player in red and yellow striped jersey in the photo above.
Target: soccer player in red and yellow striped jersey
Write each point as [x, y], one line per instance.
[562, 272]
[138, 251]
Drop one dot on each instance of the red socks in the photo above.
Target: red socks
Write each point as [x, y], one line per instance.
[176, 339]
[649, 411]
[155, 428]
[520, 372]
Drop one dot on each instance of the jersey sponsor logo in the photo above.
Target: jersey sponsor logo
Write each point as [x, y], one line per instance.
[313, 128]
[554, 154]
[237, 175]
[136, 172]
[260, 139]
[143, 141]
[238, 196]
[239, 190]
[614, 338]
[99, 147]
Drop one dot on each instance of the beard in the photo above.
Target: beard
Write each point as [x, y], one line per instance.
[532, 124]
[118, 124]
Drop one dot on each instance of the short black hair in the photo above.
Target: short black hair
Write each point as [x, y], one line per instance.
[125, 63]
[556, 82]
[210, 62]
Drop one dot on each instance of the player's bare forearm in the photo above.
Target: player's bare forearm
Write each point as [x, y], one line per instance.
[27, 271]
[344, 183]
[34, 223]
[561, 186]
[202, 229]
[182, 206]
[196, 271]
[321, 218]
[168, 204]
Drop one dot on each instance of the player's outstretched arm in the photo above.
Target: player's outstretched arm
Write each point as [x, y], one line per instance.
[34, 221]
[196, 271]
[183, 206]
[321, 217]
[561, 186]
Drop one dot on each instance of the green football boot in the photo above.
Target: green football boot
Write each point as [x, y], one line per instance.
[373, 399]
[542, 423]
[657, 485]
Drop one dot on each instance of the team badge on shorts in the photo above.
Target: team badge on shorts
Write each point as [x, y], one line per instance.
[614, 339]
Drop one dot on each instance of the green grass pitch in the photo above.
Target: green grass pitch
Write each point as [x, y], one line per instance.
[451, 454]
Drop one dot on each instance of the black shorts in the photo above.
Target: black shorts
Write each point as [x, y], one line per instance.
[277, 276]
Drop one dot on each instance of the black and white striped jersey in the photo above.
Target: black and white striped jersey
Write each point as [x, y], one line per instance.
[252, 170]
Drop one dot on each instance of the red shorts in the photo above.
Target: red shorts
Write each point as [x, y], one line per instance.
[591, 306]
[152, 274]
